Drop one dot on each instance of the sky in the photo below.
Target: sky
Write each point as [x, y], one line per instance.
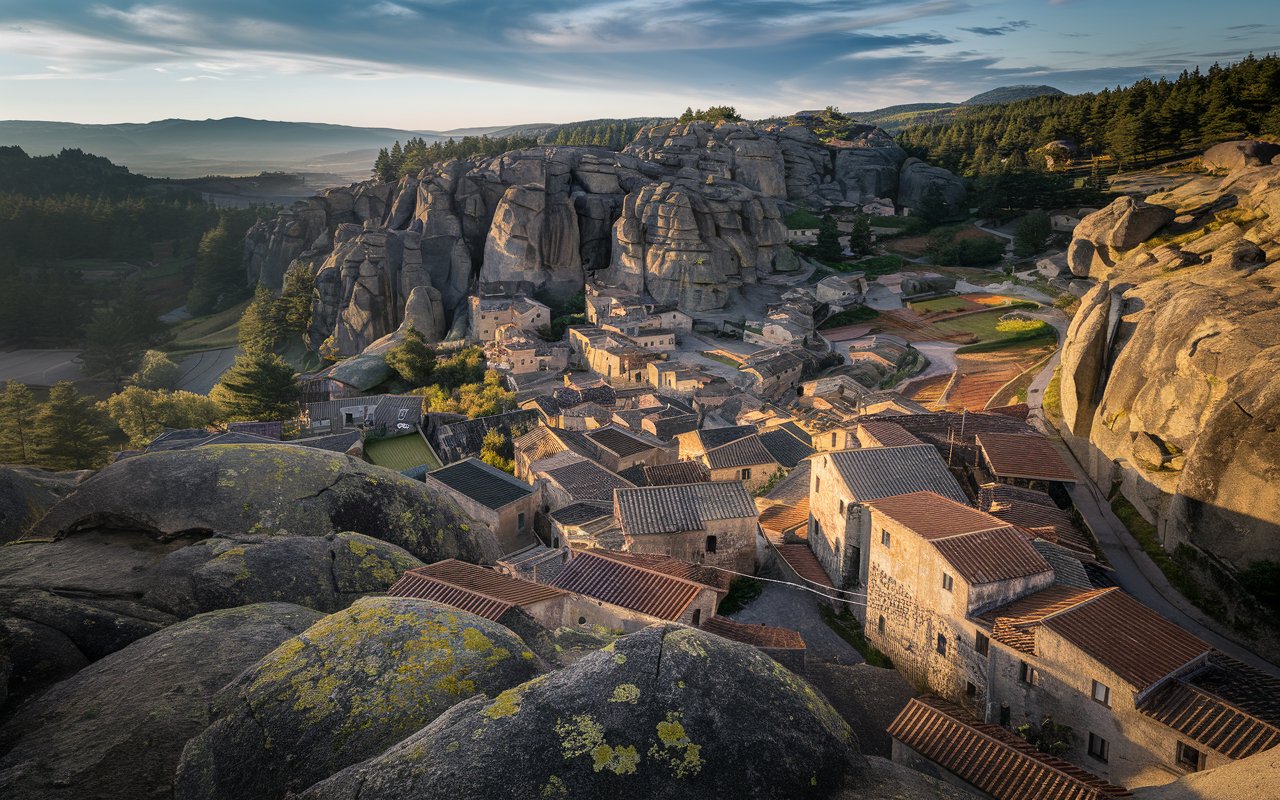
[444, 64]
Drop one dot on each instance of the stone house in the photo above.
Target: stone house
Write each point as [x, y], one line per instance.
[694, 444]
[659, 340]
[933, 562]
[843, 482]
[713, 523]
[569, 477]
[490, 314]
[1025, 460]
[745, 459]
[514, 351]
[844, 290]
[613, 591]
[883, 349]
[613, 356]
[617, 450]
[489, 495]
[676, 378]
[483, 591]
[774, 372]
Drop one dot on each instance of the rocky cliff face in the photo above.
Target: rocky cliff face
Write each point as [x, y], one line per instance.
[686, 214]
[1168, 371]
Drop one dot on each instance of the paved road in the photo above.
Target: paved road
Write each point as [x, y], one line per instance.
[786, 607]
[200, 371]
[1136, 573]
[40, 367]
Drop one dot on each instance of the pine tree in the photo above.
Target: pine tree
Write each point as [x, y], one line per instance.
[70, 431]
[828, 245]
[296, 300]
[1032, 234]
[112, 347]
[262, 324]
[412, 359]
[258, 387]
[17, 413]
[860, 236]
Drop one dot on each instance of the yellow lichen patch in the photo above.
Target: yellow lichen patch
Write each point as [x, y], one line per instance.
[618, 658]
[554, 787]
[674, 749]
[620, 760]
[625, 693]
[506, 704]
[688, 642]
[475, 641]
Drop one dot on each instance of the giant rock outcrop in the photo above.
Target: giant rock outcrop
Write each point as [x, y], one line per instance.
[685, 214]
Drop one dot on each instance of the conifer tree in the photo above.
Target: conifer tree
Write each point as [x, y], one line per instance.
[70, 430]
[258, 387]
[17, 414]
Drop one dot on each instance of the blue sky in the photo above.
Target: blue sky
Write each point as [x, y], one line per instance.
[438, 64]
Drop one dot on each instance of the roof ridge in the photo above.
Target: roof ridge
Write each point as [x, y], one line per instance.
[1094, 595]
[600, 553]
[487, 571]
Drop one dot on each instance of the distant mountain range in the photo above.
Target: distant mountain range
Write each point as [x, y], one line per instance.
[184, 148]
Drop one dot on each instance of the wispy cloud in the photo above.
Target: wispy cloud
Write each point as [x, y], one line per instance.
[1000, 30]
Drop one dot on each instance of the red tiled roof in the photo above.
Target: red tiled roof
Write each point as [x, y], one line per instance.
[1015, 624]
[1128, 638]
[991, 556]
[785, 516]
[991, 759]
[933, 516]
[471, 588]
[717, 579]
[1209, 720]
[757, 635]
[613, 581]
[1017, 411]
[805, 564]
[1015, 455]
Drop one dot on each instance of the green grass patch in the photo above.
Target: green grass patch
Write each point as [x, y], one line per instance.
[847, 627]
[939, 304]
[876, 266]
[1147, 537]
[895, 223]
[723, 360]
[1052, 401]
[981, 325]
[741, 592]
[801, 219]
[1024, 339]
[850, 316]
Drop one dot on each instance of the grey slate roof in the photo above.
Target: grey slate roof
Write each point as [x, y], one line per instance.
[785, 448]
[672, 509]
[745, 452]
[335, 442]
[715, 437]
[458, 440]
[396, 410]
[487, 485]
[616, 441]
[587, 480]
[876, 472]
[578, 513]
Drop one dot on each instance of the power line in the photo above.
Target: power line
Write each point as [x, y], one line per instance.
[801, 588]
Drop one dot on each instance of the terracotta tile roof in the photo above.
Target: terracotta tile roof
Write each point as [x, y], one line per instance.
[1012, 455]
[673, 509]
[1128, 638]
[1204, 716]
[990, 758]
[1015, 624]
[887, 434]
[487, 485]
[993, 494]
[1017, 410]
[875, 472]
[717, 579]
[933, 516]
[627, 585]
[748, 451]
[805, 564]
[471, 588]
[1060, 525]
[763, 636]
[992, 556]
[785, 516]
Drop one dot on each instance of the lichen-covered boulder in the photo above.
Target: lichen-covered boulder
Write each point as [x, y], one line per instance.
[26, 493]
[321, 572]
[272, 490]
[344, 690]
[117, 728]
[667, 712]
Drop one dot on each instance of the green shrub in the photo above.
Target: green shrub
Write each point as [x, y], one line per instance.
[741, 592]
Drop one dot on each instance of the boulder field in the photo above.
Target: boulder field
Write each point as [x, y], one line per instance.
[1168, 370]
[685, 213]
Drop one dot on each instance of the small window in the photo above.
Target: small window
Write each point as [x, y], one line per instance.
[970, 690]
[711, 544]
[880, 624]
[941, 646]
[746, 473]
[1028, 674]
[582, 620]
[1189, 758]
[947, 582]
[1099, 748]
[982, 644]
[884, 537]
[817, 484]
[1102, 693]
[841, 506]
[697, 617]
[520, 521]
[833, 438]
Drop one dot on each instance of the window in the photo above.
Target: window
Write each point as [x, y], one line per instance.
[1189, 758]
[970, 690]
[833, 438]
[1098, 747]
[1028, 674]
[841, 506]
[1102, 693]
[697, 616]
[711, 544]
[982, 644]
[880, 624]
[941, 647]
[1005, 715]
[520, 521]
[582, 620]
[884, 537]
[746, 473]
[947, 582]
[817, 484]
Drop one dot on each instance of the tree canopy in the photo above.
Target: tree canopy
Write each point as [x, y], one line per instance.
[258, 387]
[70, 431]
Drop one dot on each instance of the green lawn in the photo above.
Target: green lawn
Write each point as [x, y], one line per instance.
[401, 452]
[851, 316]
[983, 325]
[213, 332]
[940, 304]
